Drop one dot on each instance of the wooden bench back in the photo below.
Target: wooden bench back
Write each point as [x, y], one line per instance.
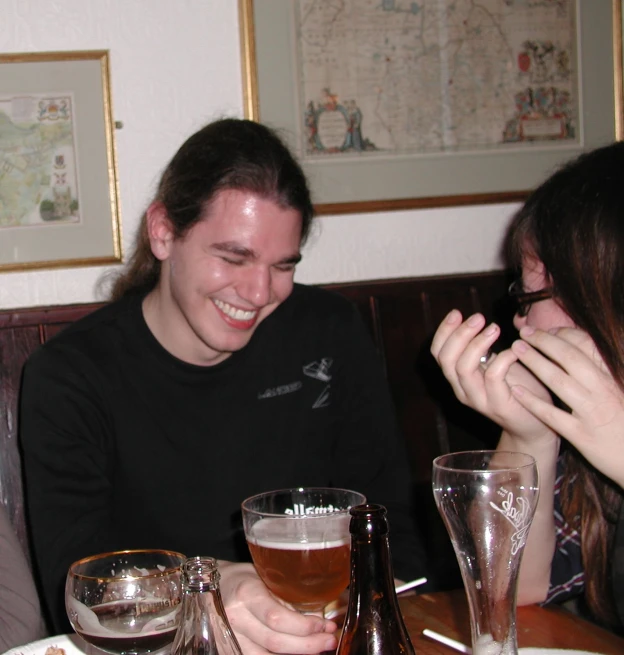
[402, 316]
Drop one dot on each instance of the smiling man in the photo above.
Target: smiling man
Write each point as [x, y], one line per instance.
[210, 377]
[224, 277]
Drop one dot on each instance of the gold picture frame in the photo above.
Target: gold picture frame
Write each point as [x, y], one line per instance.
[618, 72]
[407, 182]
[59, 200]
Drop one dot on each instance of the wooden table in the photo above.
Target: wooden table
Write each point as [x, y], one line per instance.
[548, 627]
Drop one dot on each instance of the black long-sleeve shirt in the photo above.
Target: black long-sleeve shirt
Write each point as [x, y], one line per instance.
[126, 446]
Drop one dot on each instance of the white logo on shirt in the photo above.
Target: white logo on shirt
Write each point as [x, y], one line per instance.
[282, 390]
[320, 371]
[315, 370]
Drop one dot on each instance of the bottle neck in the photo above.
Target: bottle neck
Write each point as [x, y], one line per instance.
[371, 564]
[371, 567]
[200, 574]
[373, 624]
[204, 628]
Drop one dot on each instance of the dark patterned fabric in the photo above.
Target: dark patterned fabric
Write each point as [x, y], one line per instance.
[567, 577]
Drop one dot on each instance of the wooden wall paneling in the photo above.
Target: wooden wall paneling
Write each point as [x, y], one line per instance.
[403, 334]
[45, 316]
[406, 335]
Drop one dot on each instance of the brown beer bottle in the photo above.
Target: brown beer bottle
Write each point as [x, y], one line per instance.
[204, 627]
[374, 623]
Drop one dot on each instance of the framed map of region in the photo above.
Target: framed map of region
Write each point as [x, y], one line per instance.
[58, 186]
[394, 104]
[618, 58]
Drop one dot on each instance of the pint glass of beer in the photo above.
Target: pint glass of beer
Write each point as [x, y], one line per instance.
[300, 543]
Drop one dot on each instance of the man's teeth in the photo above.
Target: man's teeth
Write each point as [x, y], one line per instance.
[232, 312]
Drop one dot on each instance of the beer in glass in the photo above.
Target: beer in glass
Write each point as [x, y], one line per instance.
[300, 543]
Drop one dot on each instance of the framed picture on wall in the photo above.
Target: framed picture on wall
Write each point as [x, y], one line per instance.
[618, 67]
[59, 202]
[396, 104]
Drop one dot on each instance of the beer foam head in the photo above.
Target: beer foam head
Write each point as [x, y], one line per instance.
[301, 533]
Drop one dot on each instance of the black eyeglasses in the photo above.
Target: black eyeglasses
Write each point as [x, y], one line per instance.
[525, 299]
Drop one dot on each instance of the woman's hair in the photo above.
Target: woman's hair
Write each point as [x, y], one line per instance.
[574, 224]
[226, 154]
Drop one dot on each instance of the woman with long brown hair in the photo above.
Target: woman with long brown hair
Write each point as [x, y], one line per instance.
[558, 392]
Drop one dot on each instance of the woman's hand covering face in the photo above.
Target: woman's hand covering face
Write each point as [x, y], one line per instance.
[567, 361]
[458, 347]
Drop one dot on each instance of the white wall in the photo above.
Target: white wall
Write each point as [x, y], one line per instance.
[175, 65]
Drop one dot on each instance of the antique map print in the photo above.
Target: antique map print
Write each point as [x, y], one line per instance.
[38, 165]
[399, 77]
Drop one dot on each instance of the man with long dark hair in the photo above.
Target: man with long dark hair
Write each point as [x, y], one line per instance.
[210, 378]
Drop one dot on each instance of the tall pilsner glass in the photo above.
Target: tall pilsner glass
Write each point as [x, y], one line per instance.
[487, 499]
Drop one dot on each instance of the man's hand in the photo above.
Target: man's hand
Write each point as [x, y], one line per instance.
[264, 624]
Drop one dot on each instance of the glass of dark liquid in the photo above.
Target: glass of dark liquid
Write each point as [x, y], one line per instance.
[300, 543]
[126, 602]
